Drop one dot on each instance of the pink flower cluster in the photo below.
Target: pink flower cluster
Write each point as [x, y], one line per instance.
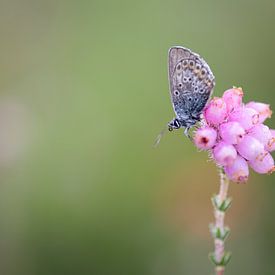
[235, 135]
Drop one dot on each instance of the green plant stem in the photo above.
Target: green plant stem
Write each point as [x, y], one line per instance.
[219, 222]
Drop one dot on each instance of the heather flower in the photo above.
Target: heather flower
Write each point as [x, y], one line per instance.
[233, 98]
[224, 153]
[247, 117]
[270, 146]
[250, 148]
[262, 108]
[236, 137]
[205, 138]
[241, 140]
[238, 171]
[261, 132]
[263, 165]
[216, 112]
[232, 132]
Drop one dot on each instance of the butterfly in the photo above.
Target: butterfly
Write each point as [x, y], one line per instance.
[191, 83]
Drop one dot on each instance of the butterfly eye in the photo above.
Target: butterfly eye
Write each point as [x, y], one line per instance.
[176, 124]
[176, 92]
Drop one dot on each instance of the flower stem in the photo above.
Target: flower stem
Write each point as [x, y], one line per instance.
[219, 231]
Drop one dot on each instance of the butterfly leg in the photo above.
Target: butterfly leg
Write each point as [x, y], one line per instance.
[186, 132]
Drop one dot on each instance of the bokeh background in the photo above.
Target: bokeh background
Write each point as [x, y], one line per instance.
[84, 93]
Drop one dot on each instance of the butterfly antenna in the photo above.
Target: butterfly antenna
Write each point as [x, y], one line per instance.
[161, 134]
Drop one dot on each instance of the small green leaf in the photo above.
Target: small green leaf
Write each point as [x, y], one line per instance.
[213, 258]
[225, 204]
[218, 233]
[226, 258]
[224, 261]
[225, 233]
[215, 201]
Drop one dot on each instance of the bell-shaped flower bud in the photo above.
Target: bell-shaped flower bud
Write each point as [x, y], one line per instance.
[205, 138]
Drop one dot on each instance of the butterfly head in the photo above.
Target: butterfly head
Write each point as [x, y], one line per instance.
[187, 124]
[174, 125]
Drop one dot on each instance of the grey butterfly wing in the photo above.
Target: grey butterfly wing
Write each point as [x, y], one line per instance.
[191, 83]
[176, 54]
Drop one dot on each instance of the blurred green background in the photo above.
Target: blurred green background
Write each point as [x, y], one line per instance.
[84, 93]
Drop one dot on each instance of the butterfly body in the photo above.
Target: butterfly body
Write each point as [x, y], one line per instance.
[191, 85]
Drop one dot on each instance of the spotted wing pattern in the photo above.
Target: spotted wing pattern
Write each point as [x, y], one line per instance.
[191, 84]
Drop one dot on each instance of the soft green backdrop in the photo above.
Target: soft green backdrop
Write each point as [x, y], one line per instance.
[84, 93]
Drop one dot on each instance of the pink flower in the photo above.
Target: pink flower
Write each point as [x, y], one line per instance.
[247, 117]
[270, 146]
[215, 113]
[231, 132]
[263, 165]
[238, 171]
[224, 153]
[262, 108]
[235, 135]
[205, 138]
[250, 148]
[261, 132]
[233, 98]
